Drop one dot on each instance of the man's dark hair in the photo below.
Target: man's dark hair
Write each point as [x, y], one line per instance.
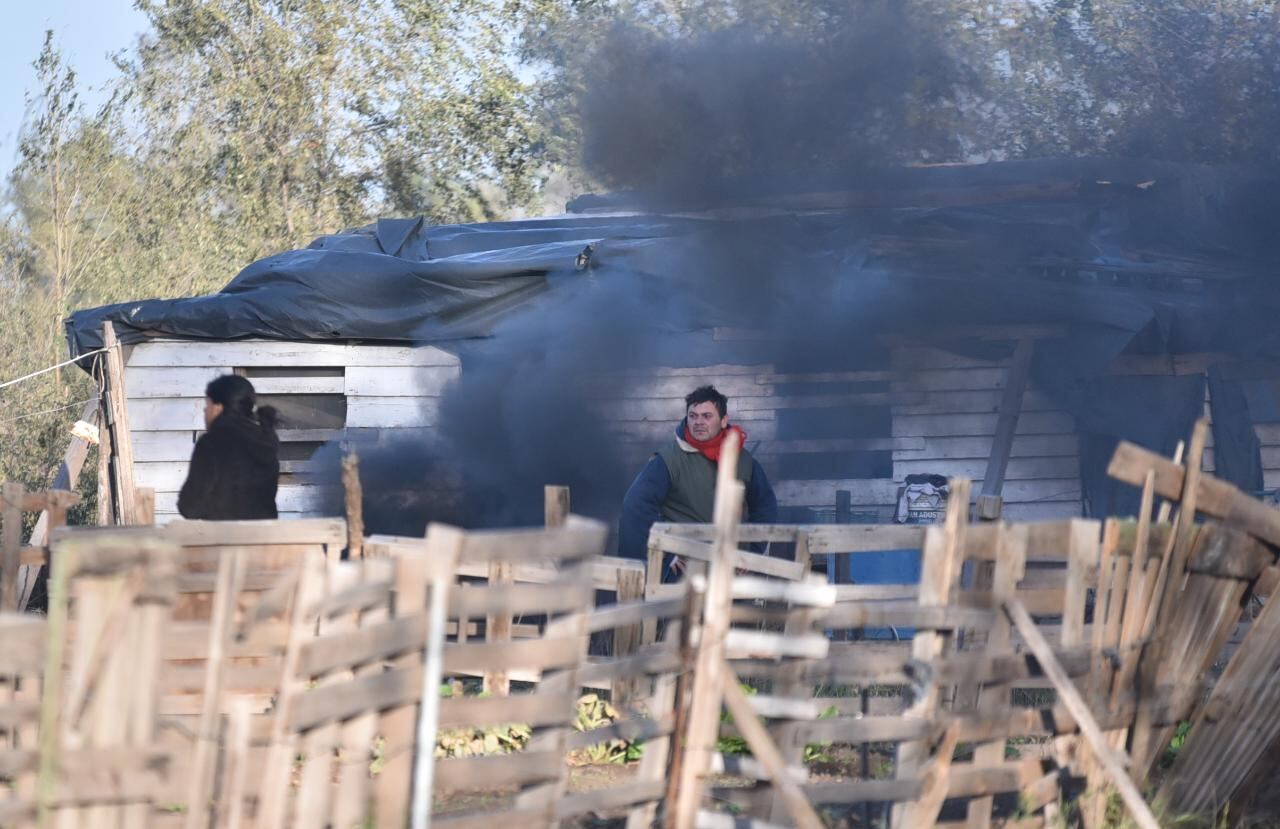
[707, 394]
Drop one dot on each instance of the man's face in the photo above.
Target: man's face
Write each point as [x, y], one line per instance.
[705, 421]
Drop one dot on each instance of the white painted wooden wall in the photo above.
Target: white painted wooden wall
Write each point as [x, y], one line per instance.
[385, 387]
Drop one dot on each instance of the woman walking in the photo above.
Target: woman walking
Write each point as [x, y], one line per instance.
[235, 466]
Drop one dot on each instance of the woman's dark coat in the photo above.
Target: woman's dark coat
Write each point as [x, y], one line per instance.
[234, 472]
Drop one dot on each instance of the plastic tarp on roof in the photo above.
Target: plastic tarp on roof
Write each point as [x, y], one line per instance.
[397, 280]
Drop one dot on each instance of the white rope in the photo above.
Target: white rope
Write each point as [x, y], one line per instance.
[50, 368]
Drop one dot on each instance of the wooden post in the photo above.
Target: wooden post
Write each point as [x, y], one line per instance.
[282, 747]
[498, 626]
[626, 639]
[839, 567]
[444, 546]
[994, 702]
[393, 786]
[230, 580]
[355, 504]
[11, 544]
[555, 505]
[939, 571]
[118, 422]
[990, 503]
[231, 805]
[106, 499]
[790, 683]
[704, 712]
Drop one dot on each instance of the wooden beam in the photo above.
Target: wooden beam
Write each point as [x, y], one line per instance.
[11, 544]
[1006, 425]
[355, 504]
[1113, 762]
[705, 697]
[1214, 497]
[118, 423]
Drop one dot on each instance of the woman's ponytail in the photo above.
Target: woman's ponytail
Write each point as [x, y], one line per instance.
[268, 417]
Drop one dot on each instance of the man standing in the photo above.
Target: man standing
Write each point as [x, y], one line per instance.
[679, 482]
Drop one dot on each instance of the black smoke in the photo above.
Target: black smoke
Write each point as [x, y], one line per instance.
[738, 110]
[731, 116]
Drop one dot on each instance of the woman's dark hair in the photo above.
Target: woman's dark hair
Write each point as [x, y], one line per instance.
[236, 394]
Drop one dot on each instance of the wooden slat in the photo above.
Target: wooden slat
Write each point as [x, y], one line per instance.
[519, 546]
[612, 797]
[535, 709]
[275, 354]
[1213, 496]
[332, 531]
[392, 412]
[753, 562]
[979, 448]
[631, 613]
[1017, 469]
[189, 382]
[398, 381]
[910, 614]
[536, 654]
[980, 425]
[885, 492]
[516, 599]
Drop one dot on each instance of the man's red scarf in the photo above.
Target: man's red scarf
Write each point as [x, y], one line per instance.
[711, 448]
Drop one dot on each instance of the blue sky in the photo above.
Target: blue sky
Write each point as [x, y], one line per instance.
[86, 30]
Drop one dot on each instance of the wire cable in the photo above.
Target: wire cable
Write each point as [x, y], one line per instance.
[50, 368]
[46, 411]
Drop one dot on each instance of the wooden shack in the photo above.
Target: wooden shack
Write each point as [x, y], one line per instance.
[1061, 249]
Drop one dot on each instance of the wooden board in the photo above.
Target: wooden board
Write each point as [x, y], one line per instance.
[151, 447]
[391, 412]
[961, 448]
[398, 381]
[1018, 469]
[271, 353]
[980, 425]
[972, 402]
[166, 414]
[879, 491]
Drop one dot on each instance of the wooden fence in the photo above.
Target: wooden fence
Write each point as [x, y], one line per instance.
[242, 674]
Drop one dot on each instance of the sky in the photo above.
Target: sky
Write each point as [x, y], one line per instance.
[86, 30]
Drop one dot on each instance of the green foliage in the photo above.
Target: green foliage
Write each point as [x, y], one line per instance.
[1179, 739]
[592, 712]
[817, 752]
[595, 712]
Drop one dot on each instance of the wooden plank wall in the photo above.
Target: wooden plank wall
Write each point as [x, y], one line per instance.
[943, 415]
[384, 387]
